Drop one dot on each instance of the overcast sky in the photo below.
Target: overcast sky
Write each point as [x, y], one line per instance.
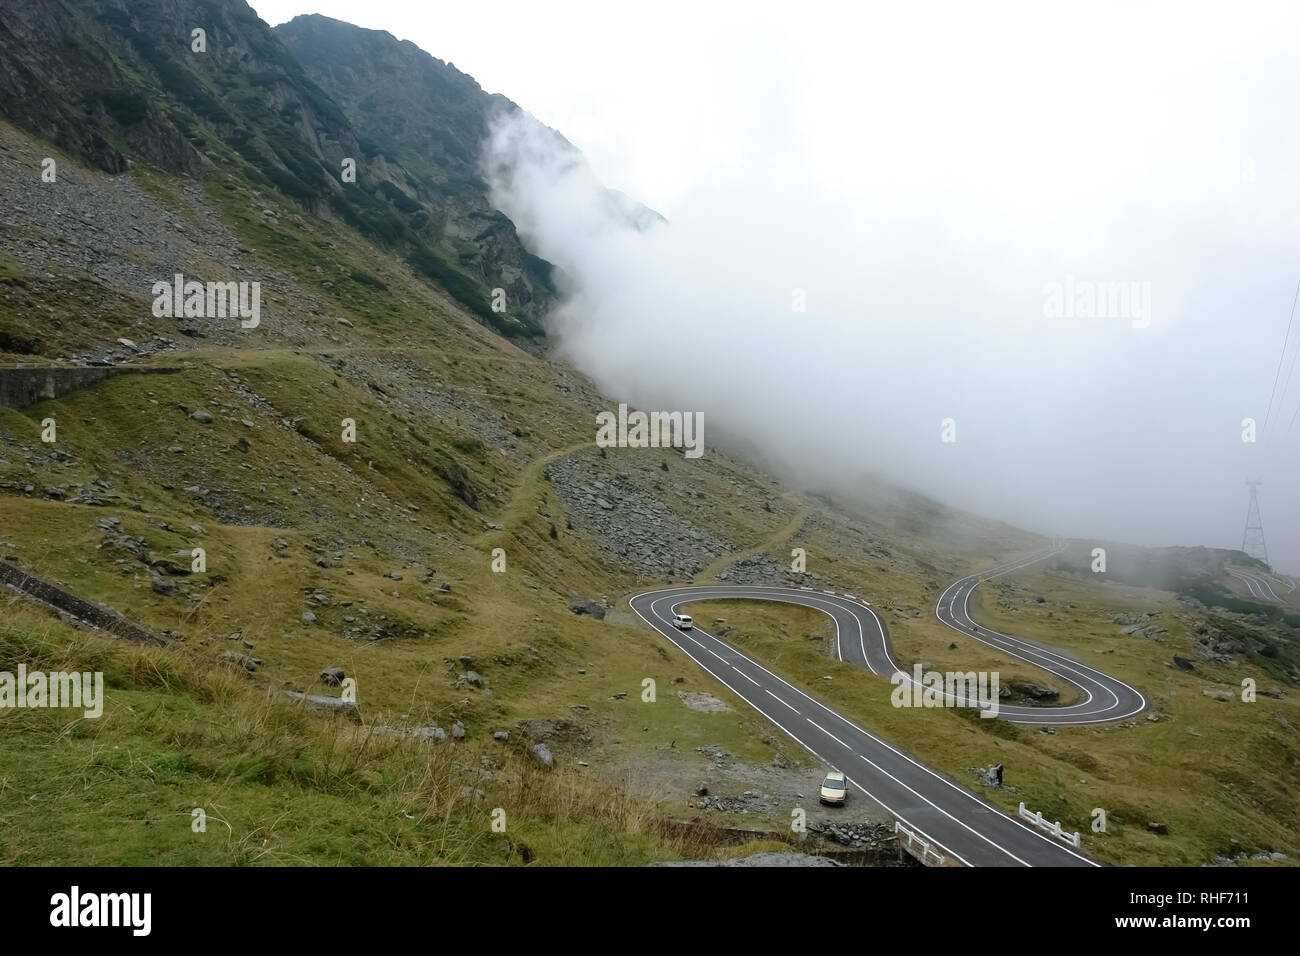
[937, 180]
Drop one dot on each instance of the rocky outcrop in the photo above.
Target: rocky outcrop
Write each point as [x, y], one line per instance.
[116, 84]
[421, 138]
[632, 525]
[1144, 625]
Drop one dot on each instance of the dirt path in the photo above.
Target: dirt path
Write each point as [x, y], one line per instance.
[793, 525]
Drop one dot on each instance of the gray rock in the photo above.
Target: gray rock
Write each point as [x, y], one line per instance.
[202, 417]
[543, 755]
[458, 730]
[164, 587]
[328, 705]
[702, 702]
[759, 859]
[1035, 691]
[591, 608]
[502, 735]
[1149, 631]
[308, 617]
[243, 660]
[332, 676]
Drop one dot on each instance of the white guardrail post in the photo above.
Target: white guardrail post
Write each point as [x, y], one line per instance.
[1054, 828]
[919, 848]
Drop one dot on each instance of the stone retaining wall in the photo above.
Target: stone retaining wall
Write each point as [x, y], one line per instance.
[26, 385]
[104, 618]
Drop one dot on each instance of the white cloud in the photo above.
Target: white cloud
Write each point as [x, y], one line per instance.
[923, 171]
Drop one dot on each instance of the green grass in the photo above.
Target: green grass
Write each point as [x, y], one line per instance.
[279, 786]
[11, 273]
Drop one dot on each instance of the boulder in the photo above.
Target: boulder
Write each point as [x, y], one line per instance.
[249, 664]
[1034, 691]
[591, 608]
[543, 755]
[328, 705]
[164, 587]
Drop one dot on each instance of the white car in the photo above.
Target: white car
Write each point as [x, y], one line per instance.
[834, 788]
[682, 622]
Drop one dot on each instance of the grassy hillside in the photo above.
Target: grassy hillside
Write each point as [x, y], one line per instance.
[374, 556]
[383, 555]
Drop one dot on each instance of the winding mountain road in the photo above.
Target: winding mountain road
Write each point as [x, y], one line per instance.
[956, 821]
[1104, 698]
[1258, 586]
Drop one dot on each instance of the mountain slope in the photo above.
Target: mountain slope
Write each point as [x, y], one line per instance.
[116, 82]
[380, 555]
[412, 108]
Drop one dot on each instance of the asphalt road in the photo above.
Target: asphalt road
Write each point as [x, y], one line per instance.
[1259, 586]
[961, 825]
[1102, 698]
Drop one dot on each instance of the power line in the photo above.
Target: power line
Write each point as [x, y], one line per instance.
[1287, 384]
[1282, 358]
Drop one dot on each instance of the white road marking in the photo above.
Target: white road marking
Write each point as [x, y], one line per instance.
[774, 697]
[827, 732]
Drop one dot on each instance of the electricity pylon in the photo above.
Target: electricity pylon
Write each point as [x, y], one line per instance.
[1252, 539]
